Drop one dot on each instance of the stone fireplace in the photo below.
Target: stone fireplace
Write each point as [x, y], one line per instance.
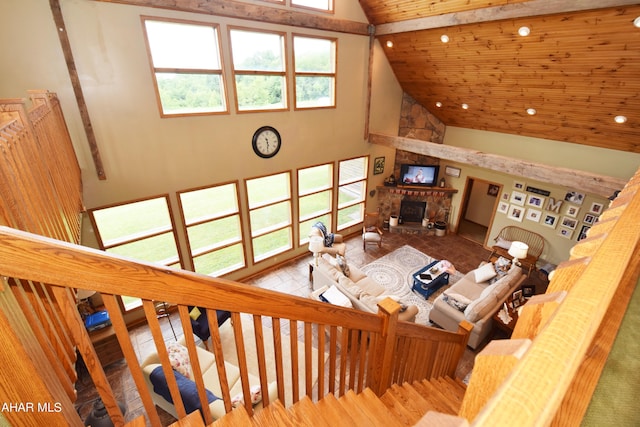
[412, 211]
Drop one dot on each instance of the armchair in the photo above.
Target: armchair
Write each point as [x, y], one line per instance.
[371, 232]
[333, 243]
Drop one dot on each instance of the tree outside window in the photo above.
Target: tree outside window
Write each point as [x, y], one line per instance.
[187, 67]
[259, 70]
[315, 71]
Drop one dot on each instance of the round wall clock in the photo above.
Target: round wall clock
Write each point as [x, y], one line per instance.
[266, 142]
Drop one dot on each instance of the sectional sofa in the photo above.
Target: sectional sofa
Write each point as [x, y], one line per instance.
[476, 298]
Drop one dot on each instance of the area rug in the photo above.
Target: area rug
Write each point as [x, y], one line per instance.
[394, 271]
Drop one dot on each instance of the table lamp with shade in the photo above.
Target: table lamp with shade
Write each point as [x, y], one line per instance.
[316, 245]
[518, 251]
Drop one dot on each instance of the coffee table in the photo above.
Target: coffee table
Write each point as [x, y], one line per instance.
[436, 277]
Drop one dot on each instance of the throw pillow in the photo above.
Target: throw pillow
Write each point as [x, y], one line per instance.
[187, 387]
[342, 262]
[457, 301]
[484, 273]
[195, 313]
[502, 243]
[256, 396]
[179, 359]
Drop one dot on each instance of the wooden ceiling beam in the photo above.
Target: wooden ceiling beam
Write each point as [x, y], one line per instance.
[496, 13]
[571, 178]
[271, 14]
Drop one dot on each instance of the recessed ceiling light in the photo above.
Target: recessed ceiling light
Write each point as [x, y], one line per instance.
[438, 104]
[389, 43]
[444, 38]
[465, 106]
[531, 111]
[620, 119]
[636, 22]
[524, 31]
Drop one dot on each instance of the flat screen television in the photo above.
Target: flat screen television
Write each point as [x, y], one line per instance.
[419, 175]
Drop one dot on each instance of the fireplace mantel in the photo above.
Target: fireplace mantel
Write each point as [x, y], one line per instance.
[418, 191]
[438, 200]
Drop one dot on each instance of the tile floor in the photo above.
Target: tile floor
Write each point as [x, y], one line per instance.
[291, 278]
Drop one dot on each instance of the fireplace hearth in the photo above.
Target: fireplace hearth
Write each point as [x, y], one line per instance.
[412, 211]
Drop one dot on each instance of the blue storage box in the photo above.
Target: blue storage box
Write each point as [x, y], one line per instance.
[97, 320]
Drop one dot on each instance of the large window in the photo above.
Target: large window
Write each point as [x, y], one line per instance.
[259, 70]
[269, 201]
[187, 67]
[324, 5]
[315, 198]
[352, 186]
[142, 229]
[315, 71]
[214, 231]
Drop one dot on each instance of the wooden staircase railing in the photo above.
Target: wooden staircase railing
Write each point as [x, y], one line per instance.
[374, 350]
[547, 372]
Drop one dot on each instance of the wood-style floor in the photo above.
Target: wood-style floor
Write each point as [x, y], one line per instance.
[291, 278]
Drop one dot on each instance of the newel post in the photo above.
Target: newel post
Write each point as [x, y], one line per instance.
[389, 310]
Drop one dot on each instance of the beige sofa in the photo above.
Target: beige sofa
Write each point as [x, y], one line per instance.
[211, 382]
[474, 299]
[363, 292]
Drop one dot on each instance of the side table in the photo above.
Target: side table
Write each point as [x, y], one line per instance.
[500, 326]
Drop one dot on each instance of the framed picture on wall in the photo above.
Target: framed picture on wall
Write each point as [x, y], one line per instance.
[534, 215]
[589, 218]
[572, 211]
[378, 165]
[451, 171]
[574, 197]
[583, 232]
[535, 200]
[565, 232]
[515, 213]
[569, 222]
[550, 220]
[518, 198]
[596, 208]
[503, 207]
[505, 196]
[493, 190]
[518, 185]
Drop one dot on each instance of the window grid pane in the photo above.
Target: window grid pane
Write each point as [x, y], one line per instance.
[315, 65]
[352, 178]
[214, 229]
[260, 69]
[141, 230]
[187, 64]
[269, 201]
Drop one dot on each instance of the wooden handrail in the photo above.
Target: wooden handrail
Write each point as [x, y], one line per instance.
[605, 265]
[382, 350]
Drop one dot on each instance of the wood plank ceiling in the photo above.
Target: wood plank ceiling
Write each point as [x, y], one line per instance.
[578, 69]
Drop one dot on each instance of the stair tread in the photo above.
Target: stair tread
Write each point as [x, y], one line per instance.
[437, 400]
[449, 389]
[237, 417]
[411, 399]
[273, 415]
[397, 408]
[334, 411]
[356, 413]
[377, 409]
[306, 413]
